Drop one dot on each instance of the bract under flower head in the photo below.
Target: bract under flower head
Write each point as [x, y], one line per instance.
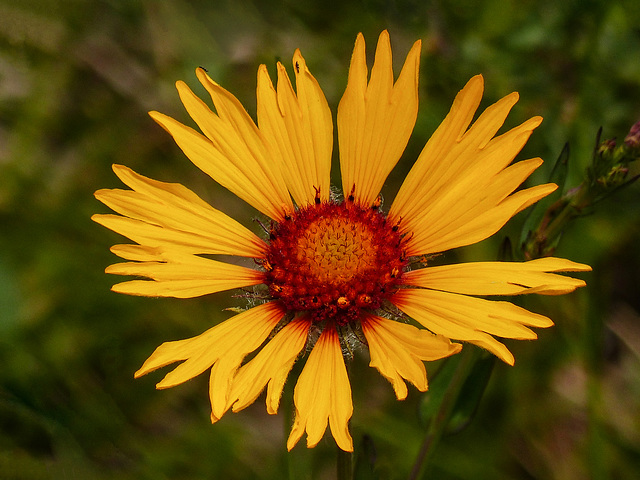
[330, 268]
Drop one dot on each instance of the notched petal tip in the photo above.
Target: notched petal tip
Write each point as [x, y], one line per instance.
[163, 120]
[148, 366]
[475, 84]
[162, 385]
[454, 348]
[181, 86]
[142, 371]
[564, 265]
[358, 58]
[535, 121]
[299, 63]
[345, 442]
[384, 37]
[124, 287]
[413, 58]
[205, 79]
[384, 41]
[116, 167]
[509, 360]
[96, 216]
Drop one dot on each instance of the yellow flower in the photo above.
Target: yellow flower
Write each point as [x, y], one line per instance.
[333, 271]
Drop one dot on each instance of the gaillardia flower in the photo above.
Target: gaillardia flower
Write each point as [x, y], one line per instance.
[333, 269]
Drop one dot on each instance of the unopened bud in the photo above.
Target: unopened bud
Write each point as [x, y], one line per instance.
[606, 147]
[632, 140]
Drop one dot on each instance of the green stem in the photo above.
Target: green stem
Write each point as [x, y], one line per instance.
[594, 364]
[345, 465]
[596, 457]
[345, 459]
[577, 201]
[440, 421]
[294, 460]
[286, 406]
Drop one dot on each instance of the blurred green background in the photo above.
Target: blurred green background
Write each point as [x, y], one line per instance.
[76, 81]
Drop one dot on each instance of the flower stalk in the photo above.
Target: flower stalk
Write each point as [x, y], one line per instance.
[439, 422]
[344, 464]
[607, 173]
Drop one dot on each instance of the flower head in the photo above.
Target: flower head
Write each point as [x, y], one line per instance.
[333, 271]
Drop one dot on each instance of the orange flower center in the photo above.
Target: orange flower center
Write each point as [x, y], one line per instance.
[332, 260]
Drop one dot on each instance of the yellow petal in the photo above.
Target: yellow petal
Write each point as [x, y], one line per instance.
[470, 319]
[233, 153]
[465, 228]
[429, 169]
[397, 350]
[183, 241]
[182, 276]
[457, 191]
[375, 120]
[299, 129]
[138, 253]
[222, 347]
[158, 214]
[500, 278]
[270, 366]
[244, 137]
[323, 394]
[489, 222]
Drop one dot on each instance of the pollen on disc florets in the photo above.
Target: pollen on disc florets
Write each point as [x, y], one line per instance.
[333, 260]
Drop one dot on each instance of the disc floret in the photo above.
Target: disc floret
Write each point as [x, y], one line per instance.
[332, 260]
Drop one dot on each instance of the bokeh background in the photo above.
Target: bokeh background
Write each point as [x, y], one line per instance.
[76, 81]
